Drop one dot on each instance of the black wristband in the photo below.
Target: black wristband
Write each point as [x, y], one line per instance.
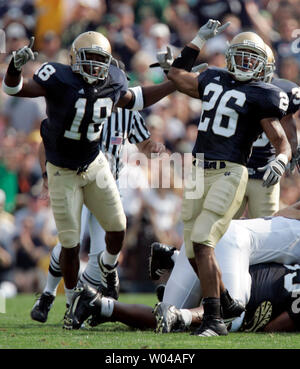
[12, 70]
[45, 175]
[187, 59]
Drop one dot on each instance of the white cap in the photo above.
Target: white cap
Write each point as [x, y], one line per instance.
[15, 30]
[89, 3]
[159, 30]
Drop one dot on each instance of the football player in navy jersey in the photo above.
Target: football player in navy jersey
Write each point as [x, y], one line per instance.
[79, 98]
[265, 201]
[236, 109]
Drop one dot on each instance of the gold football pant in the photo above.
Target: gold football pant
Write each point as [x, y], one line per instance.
[96, 188]
[261, 201]
[207, 218]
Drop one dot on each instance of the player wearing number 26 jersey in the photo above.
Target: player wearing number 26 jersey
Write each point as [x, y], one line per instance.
[236, 108]
[265, 201]
[231, 115]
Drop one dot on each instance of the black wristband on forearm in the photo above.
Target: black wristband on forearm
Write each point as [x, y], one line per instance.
[11, 70]
[187, 59]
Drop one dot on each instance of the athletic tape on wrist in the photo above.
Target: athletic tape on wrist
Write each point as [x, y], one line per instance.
[198, 41]
[283, 158]
[12, 90]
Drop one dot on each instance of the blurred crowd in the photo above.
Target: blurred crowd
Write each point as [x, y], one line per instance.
[137, 29]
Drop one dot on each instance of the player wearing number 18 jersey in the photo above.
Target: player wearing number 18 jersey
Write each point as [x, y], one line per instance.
[79, 97]
[236, 108]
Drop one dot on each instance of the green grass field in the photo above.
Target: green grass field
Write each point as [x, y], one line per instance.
[18, 331]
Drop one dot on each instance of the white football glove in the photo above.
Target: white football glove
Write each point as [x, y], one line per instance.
[22, 56]
[166, 59]
[199, 68]
[273, 170]
[209, 30]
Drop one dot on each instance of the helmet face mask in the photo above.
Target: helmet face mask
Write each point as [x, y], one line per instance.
[91, 56]
[246, 58]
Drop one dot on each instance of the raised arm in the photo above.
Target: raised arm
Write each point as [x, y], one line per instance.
[14, 83]
[180, 71]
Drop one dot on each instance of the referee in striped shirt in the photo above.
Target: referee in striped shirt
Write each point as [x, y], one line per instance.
[122, 125]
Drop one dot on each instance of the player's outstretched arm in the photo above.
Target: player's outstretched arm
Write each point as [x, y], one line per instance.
[179, 72]
[138, 98]
[14, 83]
[275, 169]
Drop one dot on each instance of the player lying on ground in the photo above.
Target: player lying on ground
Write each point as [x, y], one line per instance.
[246, 243]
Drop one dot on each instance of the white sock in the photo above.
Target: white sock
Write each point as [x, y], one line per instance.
[186, 316]
[69, 294]
[109, 259]
[51, 284]
[175, 255]
[107, 306]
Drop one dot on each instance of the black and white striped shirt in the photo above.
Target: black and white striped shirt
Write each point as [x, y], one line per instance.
[121, 125]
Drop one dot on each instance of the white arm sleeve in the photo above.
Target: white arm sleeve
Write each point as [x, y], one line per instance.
[139, 99]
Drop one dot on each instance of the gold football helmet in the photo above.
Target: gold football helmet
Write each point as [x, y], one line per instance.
[270, 66]
[90, 56]
[246, 56]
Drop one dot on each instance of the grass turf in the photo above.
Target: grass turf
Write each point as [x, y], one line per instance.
[18, 331]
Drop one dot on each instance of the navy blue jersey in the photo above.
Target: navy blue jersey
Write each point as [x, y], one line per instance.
[263, 152]
[231, 114]
[279, 284]
[76, 111]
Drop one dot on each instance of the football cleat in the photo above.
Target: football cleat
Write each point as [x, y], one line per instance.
[97, 319]
[260, 319]
[110, 285]
[211, 327]
[160, 259]
[85, 302]
[42, 307]
[230, 308]
[168, 318]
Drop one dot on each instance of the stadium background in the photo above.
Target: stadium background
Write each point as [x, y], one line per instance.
[136, 30]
